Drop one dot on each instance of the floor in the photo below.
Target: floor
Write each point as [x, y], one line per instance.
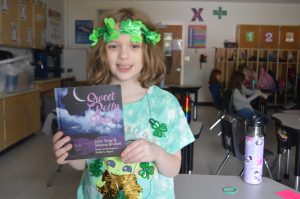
[25, 168]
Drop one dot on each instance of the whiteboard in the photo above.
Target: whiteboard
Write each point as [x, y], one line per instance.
[77, 60]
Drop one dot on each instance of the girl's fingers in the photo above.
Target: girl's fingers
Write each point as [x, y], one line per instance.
[61, 159]
[63, 150]
[57, 136]
[60, 143]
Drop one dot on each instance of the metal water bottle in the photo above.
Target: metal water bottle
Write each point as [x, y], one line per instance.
[187, 107]
[254, 153]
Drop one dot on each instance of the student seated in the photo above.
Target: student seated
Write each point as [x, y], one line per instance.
[215, 87]
[242, 97]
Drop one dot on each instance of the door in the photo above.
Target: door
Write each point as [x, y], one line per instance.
[171, 43]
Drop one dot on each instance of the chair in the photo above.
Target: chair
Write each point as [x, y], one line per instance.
[233, 141]
[51, 125]
[283, 147]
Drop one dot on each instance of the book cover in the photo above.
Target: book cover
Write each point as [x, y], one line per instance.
[93, 117]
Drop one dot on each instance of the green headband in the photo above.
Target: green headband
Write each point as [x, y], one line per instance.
[133, 28]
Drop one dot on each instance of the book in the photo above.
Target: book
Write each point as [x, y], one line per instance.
[93, 118]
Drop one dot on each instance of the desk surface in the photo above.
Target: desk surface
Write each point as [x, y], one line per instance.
[289, 119]
[211, 187]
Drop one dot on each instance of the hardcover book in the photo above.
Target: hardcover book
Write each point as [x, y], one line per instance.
[93, 117]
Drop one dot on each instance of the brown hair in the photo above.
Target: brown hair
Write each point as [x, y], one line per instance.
[213, 76]
[236, 80]
[153, 70]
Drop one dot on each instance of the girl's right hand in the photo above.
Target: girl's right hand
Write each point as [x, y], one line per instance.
[60, 148]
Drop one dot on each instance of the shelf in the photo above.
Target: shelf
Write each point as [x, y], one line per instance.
[281, 62]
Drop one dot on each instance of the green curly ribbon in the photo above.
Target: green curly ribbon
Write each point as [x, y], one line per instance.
[133, 28]
[147, 170]
[95, 168]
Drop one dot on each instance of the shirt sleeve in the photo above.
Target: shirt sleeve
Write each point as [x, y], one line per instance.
[239, 97]
[179, 132]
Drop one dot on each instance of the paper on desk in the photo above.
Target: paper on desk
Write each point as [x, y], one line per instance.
[288, 194]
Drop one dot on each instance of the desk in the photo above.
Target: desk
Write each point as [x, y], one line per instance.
[290, 120]
[211, 187]
[182, 90]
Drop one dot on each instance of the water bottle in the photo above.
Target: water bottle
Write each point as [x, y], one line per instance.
[187, 107]
[254, 153]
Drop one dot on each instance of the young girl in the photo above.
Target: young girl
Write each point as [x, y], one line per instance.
[215, 87]
[240, 100]
[126, 52]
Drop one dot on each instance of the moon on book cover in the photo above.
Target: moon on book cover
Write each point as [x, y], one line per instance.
[76, 97]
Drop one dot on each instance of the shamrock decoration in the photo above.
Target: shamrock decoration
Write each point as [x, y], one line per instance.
[107, 31]
[150, 36]
[147, 170]
[133, 28]
[95, 168]
[159, 128]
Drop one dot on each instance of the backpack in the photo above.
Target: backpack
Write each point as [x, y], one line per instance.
[265, 81]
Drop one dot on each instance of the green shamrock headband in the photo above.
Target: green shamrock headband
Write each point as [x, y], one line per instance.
[133, 28]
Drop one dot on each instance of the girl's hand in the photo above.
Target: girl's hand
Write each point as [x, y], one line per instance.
[140, 151]
[59, 147]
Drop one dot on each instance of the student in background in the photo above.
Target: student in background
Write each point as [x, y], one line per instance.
[241, 97]
[250, 77]
[215, 87]
[126, 52]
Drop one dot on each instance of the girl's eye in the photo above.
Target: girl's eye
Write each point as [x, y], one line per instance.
[136, 46]
[112, 46]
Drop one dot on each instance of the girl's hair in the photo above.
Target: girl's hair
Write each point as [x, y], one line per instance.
[153, 70]
[236, 80]
[213, 76]
[243, 67]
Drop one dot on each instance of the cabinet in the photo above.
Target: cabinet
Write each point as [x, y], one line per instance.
[283, 64]
[26, 23]
[39, 28]
[9, 27]
[22, 23]
[20, 116]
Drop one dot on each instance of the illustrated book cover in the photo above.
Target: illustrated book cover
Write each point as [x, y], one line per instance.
[93, 117]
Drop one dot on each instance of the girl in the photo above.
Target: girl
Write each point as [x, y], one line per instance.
[126, 52]
[215, 87]
[240, 100]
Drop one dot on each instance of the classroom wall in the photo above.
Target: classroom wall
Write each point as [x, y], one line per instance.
[175, 12]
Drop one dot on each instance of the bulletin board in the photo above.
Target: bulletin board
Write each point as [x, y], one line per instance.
[197, 36]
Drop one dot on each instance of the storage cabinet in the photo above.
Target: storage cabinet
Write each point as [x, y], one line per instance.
[22, 23]
[20, 116]
[39, 28]
[9, 27]
[283, 64]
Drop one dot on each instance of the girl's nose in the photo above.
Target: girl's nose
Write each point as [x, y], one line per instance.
[124, 52]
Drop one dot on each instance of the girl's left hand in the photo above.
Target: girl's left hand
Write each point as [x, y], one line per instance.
[140, 151]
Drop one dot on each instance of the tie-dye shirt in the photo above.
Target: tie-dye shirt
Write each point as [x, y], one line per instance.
[169, 129]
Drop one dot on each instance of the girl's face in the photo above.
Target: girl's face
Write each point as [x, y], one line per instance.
[125, 59]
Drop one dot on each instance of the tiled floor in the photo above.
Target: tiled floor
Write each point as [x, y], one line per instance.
[24, 169]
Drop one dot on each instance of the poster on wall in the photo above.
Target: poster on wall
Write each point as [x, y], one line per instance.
[83, 29]
[197, 36]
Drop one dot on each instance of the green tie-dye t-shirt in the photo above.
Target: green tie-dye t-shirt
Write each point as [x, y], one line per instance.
[169, 130]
